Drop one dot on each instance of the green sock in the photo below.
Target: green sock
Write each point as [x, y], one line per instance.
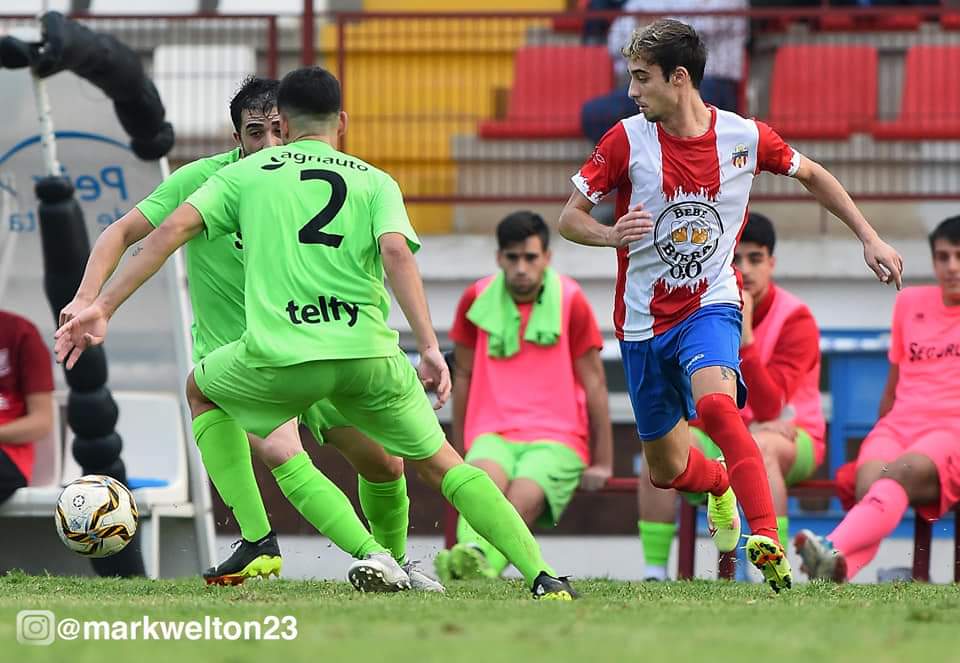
[487, 510]
[325, 506]
[387, 509]
[466, 534]
[656, 539]
[225, 452]
[783, 530]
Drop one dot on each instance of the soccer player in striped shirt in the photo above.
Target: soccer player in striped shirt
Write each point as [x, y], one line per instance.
[681, 172]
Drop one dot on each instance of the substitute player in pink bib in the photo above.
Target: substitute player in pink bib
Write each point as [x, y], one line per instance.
[529, 390]
[682, 173]
[912, 455]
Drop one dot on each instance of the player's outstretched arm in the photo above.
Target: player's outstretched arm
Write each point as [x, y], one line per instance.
[404, 276]
[89, 326]
[578, 226]
[880, 257]
[104, 258]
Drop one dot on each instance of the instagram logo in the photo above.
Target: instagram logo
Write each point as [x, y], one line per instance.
[35, 627]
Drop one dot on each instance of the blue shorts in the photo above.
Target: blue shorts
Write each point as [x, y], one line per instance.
[659, 369]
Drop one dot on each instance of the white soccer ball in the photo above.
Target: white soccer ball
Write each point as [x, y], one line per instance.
[96, 516]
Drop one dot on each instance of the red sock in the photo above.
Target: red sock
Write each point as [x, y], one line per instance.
[700, 476]
[723, 423]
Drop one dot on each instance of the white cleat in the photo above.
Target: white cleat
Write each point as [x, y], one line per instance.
[420, 581]
[378, 572]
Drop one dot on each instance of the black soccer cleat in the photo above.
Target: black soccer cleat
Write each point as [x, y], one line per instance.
[249, 560]
[548, 588]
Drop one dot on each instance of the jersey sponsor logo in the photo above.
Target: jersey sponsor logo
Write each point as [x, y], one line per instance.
[278, 161]
[740, 154]
[4, 362]
[686, 235]
[920, 352]
[327, 309]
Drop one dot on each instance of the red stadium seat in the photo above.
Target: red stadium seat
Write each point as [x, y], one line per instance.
[572, 23]
[950, 20]
[551, 84]
[825, 92]
[930, 101]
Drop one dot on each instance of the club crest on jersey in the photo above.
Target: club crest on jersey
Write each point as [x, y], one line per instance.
[686, 235]
[740, 154]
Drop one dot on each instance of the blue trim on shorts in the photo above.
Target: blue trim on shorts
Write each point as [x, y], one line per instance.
[658, 369]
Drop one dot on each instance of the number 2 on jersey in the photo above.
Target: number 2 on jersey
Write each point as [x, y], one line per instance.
[312, 233]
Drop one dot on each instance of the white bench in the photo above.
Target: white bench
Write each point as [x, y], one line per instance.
[175, 537]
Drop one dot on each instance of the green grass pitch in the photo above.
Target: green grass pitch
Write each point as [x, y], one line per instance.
[614, 621]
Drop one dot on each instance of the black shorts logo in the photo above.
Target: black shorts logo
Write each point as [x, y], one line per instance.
[686, 236]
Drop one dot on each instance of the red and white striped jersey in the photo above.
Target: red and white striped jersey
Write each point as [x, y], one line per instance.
[697, 190]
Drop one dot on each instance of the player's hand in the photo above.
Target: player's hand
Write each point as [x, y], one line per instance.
[636, 224]
[88, 327]
[435, 375]
[778, 426]
[595, 477]
[746, 325]
[69, 312]
[885, 262]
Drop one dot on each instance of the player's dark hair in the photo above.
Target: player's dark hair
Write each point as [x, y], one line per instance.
[948, 229]
[255, 94]
[309, 91]
[518, 226]
[759, 230]
[669, 43]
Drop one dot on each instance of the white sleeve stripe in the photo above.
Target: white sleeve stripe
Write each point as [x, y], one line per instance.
[583, 187]
[794, 164]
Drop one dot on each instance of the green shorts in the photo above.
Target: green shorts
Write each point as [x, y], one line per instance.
[803, 466]
[380, 396]
[553, 466]
[321, 417]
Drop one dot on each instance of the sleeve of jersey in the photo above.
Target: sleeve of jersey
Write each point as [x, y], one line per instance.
[771, 386]
[172, 192]
[34, 364]
[389, 214]
[606, 168]
[584, 331]
[463, 332]
[895, 354]
[217, 202]
[773, 153]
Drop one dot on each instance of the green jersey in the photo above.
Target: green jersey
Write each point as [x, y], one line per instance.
[311, 218]
[214, 269]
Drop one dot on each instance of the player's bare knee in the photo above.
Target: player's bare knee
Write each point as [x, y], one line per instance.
[390, 469]
[271, 453]
[916, 475]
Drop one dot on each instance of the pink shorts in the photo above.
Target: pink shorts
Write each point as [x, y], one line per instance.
[891, 439]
